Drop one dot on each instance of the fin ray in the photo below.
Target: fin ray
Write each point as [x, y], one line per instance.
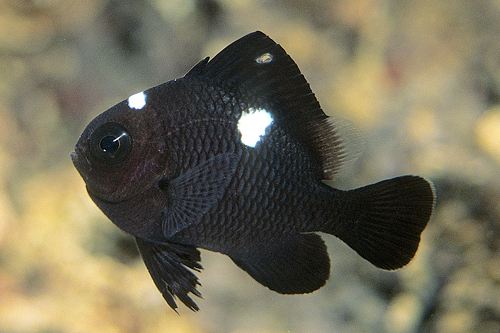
[167, 264]
[296, 265]
[196, 191]
[390, 217]
[277, 84]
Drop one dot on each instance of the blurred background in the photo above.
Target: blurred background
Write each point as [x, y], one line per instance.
[419, 78]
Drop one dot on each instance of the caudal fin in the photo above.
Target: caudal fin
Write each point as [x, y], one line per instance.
[388, 218]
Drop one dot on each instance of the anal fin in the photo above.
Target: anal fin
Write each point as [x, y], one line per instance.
[296, 265]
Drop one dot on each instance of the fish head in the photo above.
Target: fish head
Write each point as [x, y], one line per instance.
[122, 151]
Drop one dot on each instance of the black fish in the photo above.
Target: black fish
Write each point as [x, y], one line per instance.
[231, 158]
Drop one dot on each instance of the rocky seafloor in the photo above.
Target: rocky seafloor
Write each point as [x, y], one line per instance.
[420, 79]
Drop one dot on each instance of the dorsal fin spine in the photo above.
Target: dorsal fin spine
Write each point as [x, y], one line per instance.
[278, 84]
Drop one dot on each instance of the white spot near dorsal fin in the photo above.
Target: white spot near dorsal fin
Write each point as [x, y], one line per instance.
[265, 58]
[252, 125]
[137, 101]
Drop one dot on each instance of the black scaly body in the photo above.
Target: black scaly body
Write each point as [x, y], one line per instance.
[178, 173]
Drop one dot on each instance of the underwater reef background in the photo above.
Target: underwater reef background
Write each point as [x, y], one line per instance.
[420, 79]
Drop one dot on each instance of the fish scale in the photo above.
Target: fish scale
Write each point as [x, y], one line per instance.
[232, 158]
[250, 209]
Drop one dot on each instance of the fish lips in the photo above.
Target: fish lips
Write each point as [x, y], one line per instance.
[81, 163]
[84, 167]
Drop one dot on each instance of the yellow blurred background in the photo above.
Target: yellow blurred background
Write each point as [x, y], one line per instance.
[420, 78]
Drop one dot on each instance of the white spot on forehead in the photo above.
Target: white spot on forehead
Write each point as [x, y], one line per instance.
[137, 101]
[252, 125]
[265, 58]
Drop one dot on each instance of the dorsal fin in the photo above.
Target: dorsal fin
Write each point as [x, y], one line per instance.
[262, 74]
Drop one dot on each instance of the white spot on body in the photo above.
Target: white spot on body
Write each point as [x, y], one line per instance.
[265, 58]
[252, 125]
[137, 101]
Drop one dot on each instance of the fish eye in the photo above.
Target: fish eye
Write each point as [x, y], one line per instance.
[111, 143]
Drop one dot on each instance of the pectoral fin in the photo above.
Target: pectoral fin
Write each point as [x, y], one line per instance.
[193, 193]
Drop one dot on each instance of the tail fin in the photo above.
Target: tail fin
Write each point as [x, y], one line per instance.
[389, 217]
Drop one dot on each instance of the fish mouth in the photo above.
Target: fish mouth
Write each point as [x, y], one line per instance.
[80, 161]
[84, 167]
[81, 164]
[73, 156]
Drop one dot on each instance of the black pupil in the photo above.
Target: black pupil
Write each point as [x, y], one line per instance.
[110, 144]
